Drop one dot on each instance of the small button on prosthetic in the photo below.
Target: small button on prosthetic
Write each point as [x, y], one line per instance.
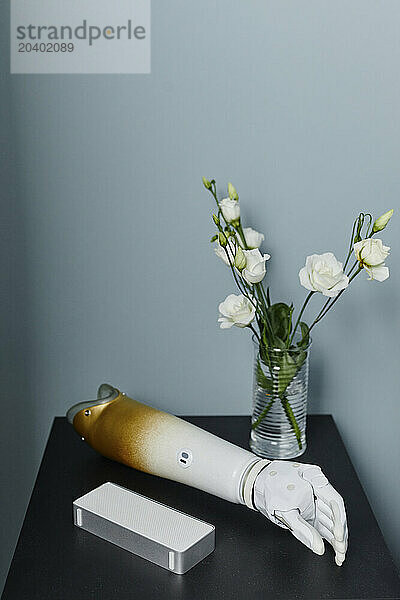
[291, 486]
[273, 473]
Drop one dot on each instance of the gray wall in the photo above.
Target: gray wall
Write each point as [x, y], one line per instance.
[112, 277]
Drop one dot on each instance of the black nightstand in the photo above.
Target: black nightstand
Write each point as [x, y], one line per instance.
[253, 558]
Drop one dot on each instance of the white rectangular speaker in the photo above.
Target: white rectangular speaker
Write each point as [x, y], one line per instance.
[149, 529]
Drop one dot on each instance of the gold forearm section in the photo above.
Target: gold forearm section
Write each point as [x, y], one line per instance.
[156, 442]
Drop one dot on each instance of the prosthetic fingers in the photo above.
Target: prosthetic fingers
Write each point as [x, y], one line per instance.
[294, 496]
[299, 497]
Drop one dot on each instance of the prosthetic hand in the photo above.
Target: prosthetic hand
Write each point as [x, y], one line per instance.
[294, 496]
[299, 497]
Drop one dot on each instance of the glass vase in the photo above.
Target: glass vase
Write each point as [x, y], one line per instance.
[280, 386]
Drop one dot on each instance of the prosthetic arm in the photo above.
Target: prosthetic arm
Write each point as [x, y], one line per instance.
[292, 495]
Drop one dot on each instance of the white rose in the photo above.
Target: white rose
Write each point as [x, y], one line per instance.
[236, 310]
[371, 254]
[255, 270]
[323, 273]
[253, 238]
[230, 248]
[230, 209]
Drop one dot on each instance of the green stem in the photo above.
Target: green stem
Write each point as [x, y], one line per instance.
[258, 287]
[325, 308]
[263, 414]
[306, 301]
[264, 336]
[264, 312]
[255, 333]
[267, 297]
[317, 318]
[267, 302]
[288, 340]
[260, 303]
[241, 234]
[241, 289]
[213, 191]
[292, 420]
[323, 313]
[351, 244]
[368, 234]
[352, 269]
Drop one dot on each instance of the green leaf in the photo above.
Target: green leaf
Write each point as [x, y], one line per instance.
[278, 343]
[262, 380]
[279, 316]
[288, 369]
[305, 335]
